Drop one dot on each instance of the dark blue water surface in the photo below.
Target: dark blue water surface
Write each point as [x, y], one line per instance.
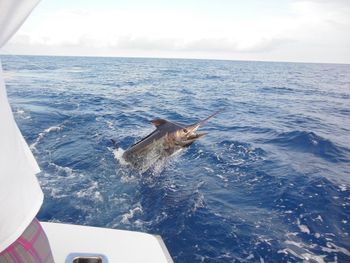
[269, 183]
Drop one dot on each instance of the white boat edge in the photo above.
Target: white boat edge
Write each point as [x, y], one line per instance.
[115, 245]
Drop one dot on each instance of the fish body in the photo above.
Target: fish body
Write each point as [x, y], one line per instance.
[166, 139]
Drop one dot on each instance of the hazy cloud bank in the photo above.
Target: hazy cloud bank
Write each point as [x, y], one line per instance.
[311, 28]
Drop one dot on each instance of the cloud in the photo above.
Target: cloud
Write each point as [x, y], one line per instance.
[308, 24]
[146, 43]
[128, 30]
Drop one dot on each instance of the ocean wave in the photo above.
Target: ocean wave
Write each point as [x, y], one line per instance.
[23, 114]
[310, 142]
[43, 134]
[231, 196]
[90, 192]
[278, 90]
[62, 171]
[213, 77]
[238, 153]
[313, 252]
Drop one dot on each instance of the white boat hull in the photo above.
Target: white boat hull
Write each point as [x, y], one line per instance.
[115, 245]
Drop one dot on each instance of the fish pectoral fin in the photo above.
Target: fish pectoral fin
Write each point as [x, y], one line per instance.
[186, 143]
[190, 140]
[158, 122]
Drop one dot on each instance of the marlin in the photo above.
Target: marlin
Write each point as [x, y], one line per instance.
[165, 140]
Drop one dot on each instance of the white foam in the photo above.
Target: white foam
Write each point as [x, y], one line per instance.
[303, 228]
[319, 217]
[92, 191]
[208, 169]
[118, 155]
[304, 251]
[67, 170]
[301, 252]
[110, 125]
[22, 114]
[43, 134]
[53, 128]
[309, 258]
[343, 187]
[331, 247]
[127, 178]
[314, 142]
[199, 203]
[223, 178]
[127, 216]
[98, 196]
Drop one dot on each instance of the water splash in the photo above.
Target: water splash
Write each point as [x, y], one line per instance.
[43, 134]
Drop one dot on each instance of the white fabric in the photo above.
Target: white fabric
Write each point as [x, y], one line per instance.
[20, 193]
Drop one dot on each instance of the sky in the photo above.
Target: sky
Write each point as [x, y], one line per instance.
[269, 30]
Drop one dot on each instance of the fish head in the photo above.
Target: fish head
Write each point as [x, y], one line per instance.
[178, 134]
[186, 136]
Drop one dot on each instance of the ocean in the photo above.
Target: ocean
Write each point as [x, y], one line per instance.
[270, 182]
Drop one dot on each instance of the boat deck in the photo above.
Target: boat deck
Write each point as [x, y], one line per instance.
[116, 245]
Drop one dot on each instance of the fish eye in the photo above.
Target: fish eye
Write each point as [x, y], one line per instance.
[185, 130]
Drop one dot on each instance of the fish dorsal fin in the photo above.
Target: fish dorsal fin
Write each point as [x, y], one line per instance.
[158, 122]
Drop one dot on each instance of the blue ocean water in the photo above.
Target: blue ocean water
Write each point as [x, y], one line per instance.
[269, 183]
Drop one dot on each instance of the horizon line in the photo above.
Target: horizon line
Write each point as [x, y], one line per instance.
[174, 58]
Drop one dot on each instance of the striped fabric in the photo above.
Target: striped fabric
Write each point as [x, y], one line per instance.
[31, 247]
